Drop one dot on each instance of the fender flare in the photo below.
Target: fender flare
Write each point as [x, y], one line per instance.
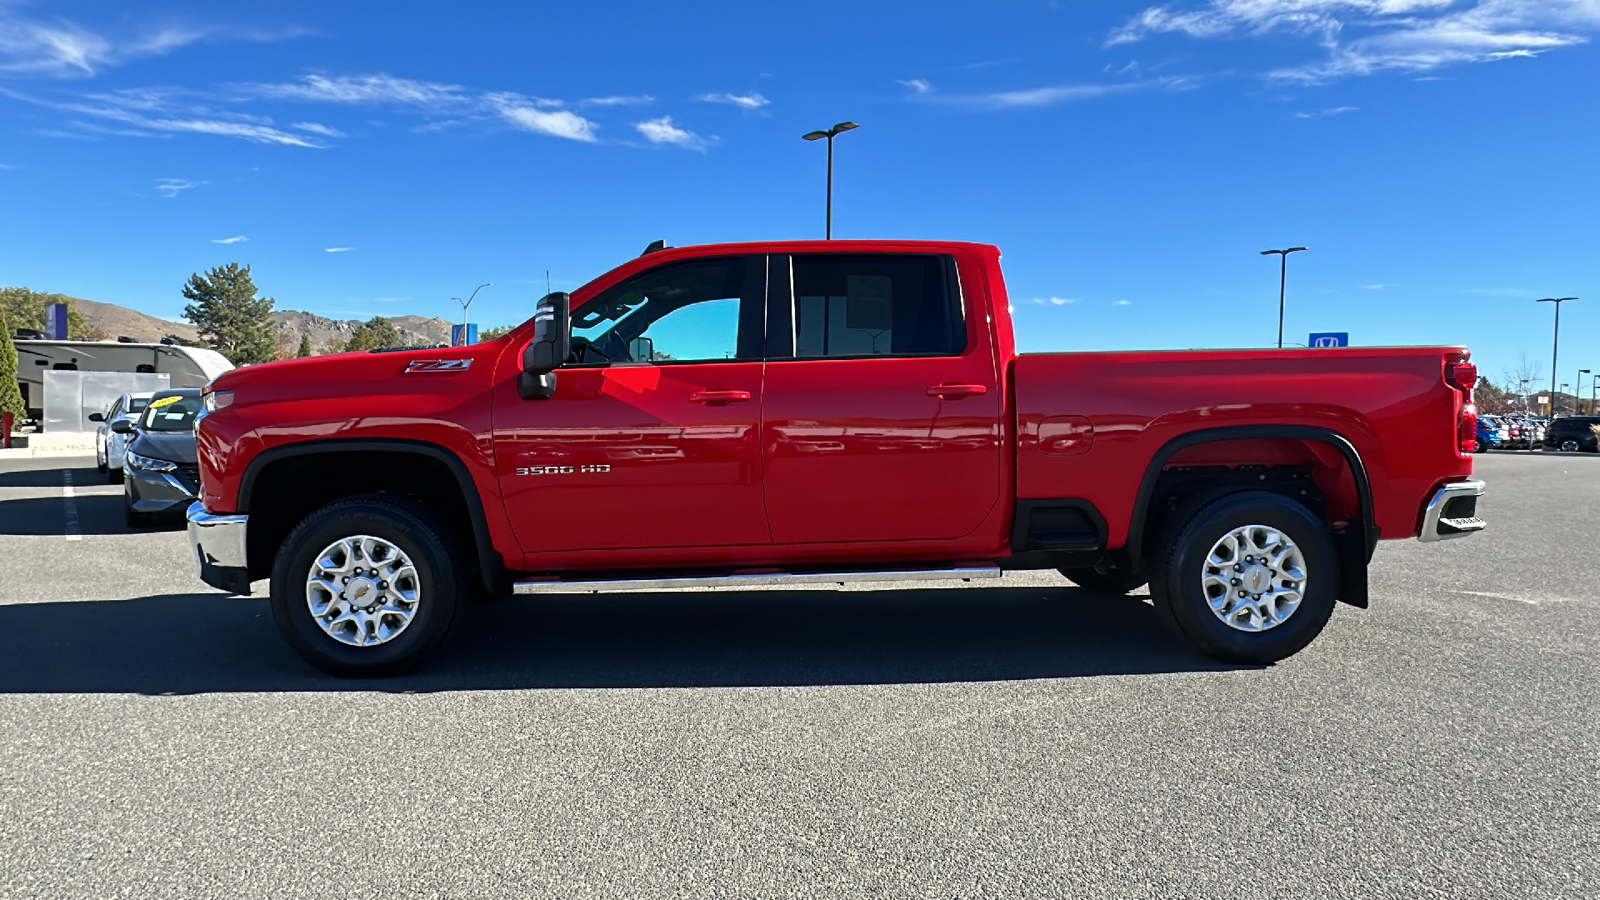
[1355, 551]
[490, 563]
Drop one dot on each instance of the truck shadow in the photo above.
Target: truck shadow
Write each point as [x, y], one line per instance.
[96, 514]
[202, 643]
[52, 477]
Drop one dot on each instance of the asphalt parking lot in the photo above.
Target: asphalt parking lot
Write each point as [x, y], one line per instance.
[159, 740]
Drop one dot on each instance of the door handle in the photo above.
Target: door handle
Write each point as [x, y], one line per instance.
[719, 396]
[957, 391]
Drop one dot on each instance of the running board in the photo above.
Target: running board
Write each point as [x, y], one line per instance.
[752, 579]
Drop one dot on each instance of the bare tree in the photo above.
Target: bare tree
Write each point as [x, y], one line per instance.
[1523, 378]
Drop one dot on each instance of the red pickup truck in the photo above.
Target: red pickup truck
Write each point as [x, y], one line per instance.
[823, 412]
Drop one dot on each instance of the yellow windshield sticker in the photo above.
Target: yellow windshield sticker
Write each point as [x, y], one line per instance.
[165, 401]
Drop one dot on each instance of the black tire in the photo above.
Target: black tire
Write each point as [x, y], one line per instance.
[100, 462]
[441, 579]
[1180, 599]
[1115, 581]
[113, 476]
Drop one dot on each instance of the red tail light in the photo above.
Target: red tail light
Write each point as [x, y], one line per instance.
[1462, 377]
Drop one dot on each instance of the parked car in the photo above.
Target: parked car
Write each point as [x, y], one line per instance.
[1574, 433]
[819, 412]
[1492, 433]
[110, 444]
[163, 474]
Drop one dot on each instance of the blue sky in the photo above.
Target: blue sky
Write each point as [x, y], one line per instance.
[1131, 160]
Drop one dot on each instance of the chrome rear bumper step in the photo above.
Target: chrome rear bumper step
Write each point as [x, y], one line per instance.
[752, 580]
[1453, 512]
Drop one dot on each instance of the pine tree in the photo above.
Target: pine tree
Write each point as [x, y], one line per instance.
[305, 345]
[375, 334]
[229, 316]
[10, 393]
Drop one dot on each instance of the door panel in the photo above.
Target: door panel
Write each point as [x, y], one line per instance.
[624, 457]
[898, 444]
[653, 436]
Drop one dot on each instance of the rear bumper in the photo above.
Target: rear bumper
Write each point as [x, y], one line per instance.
[219, 549]
[1453, 512]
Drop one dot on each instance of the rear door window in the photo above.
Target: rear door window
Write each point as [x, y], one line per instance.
[868, 305]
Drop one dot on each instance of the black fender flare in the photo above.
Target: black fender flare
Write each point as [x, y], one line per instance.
[1355, 549]
[490, 563]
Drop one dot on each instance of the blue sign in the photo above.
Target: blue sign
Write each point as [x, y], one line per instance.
[55, 321]
[455, 335]
[1329, 339]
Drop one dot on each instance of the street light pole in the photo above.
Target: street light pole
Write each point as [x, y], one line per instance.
[465, 305]
[1577, 392]
[1283, 277]
[830, 134]
[1555, 346]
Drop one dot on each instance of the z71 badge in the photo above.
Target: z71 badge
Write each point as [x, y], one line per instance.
[563, 470]
[438, 365]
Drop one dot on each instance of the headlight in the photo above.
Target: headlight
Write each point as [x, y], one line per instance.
[215, 400]
[145, 463]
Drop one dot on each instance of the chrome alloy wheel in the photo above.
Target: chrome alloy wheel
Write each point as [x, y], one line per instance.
[1254, 578]
[363, 590]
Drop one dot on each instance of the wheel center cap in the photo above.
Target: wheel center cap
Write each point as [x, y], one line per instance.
[361, 592]
[1256, 579]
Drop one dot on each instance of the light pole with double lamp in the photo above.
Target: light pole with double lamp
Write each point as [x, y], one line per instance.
[1283, 277]
[830, 134]
[1555, 346]
[465, 305]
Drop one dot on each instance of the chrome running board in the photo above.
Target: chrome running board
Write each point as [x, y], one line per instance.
[752, 579]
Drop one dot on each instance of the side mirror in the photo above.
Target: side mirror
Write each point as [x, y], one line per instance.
[122, 426]
[97, 417]
[552, 343]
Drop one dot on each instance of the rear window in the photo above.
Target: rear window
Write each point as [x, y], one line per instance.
[855, 305]
[137, 404]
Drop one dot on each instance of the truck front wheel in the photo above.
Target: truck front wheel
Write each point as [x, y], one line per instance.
[1249, 578]
[366, 587]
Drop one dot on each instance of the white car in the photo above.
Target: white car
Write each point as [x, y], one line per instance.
[110, 448]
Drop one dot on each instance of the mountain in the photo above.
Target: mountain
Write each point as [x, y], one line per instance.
[119, 321]
[324, 333]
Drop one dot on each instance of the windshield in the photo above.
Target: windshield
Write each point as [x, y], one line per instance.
[137, 404]
[172, 412]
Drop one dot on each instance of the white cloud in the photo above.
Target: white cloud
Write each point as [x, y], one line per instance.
[638, 100]
[1062, 301]
[172, 187]
[364, 89]
[535, 114]
[1123, 303]
[1372, 287]
[918, 85]
[61, 48]
[236, 239]
[7, 167]
[1324, 113]
[1051, 96]
[663, 131]
[315, 128]
[1364, 37]
[153, 113]
[748, 101]
[337, 249]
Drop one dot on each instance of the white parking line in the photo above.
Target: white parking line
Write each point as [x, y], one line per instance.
[72, 507]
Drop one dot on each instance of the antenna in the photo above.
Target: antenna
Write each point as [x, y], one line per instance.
[547, 281]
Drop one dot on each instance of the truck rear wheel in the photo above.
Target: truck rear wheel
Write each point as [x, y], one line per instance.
[1249, 578]
[1115, 581]
[366, 587]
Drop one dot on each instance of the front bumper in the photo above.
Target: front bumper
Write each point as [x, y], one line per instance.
[1453, 512]
[219, 548]
[161, 493]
